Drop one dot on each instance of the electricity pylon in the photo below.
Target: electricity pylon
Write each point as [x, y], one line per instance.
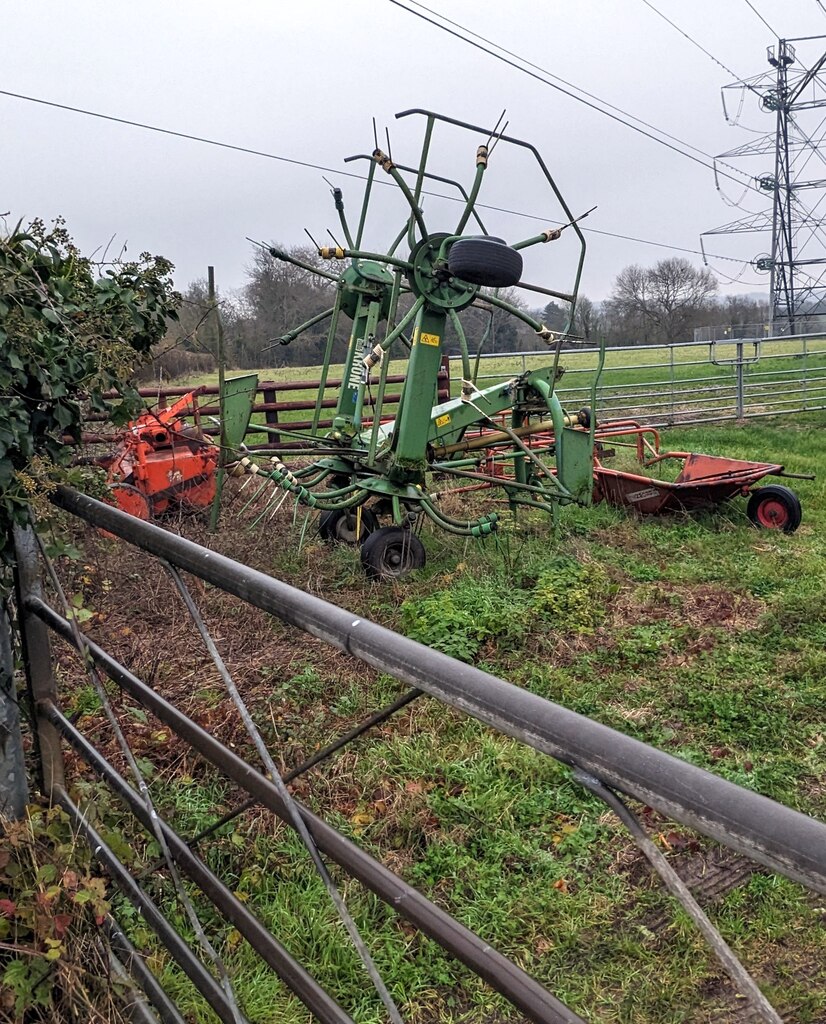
[791, 90]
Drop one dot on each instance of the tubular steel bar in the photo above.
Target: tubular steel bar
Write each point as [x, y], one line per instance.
[297, 979]
[724, 953]
[500, 137]
[133, 962]
[770, 833]
[523, 991]
[320, 755]
[296, 821]
[135, 1007]
[114, 724]
[175, 945]
[37, 659]
[14, 790]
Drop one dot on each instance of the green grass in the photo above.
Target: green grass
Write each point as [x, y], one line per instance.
[697, 634]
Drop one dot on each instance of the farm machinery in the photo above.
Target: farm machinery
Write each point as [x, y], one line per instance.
[375, 478]
[365, 470]
[162, 461]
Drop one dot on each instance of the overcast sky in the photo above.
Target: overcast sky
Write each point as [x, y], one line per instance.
[303, 80]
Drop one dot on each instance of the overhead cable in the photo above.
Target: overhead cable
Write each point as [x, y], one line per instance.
[545, 80]
[564, 81]
[693, 41]
[330, 170]
[760, 16]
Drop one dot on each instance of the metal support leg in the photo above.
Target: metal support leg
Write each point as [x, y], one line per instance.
[37, 659]
[14, 792]
[724, 953]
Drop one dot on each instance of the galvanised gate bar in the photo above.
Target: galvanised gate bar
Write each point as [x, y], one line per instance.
[606, 762]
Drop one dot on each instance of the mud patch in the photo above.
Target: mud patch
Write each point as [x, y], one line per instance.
[699, 606]
[709, 875]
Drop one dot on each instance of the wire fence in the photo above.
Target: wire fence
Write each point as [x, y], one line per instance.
[703, 381]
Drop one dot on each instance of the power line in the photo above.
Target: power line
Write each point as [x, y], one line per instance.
[330, 170]
[760, 16]
[549, 74]
[599, 231]
[566, 92]
[822, 8]
[178, 135]
[737, 78]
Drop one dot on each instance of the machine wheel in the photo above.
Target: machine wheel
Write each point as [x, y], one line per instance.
[339, 526]
[486, 261]
[775, 508]
[391, 552]
[129, 499]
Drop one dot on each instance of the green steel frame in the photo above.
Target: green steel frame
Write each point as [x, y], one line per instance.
[390, 463]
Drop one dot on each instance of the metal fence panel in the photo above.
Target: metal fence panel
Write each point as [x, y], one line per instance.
[721, 378]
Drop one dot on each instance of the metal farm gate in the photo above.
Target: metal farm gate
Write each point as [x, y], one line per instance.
[737, 376]
[603, 761]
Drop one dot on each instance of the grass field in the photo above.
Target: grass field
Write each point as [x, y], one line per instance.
[697, 634]
[654, 358]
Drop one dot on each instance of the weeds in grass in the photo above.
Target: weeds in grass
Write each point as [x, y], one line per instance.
[569, 594]
[459, 619]
[54, 963]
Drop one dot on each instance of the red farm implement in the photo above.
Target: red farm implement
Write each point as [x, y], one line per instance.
[695, 482]
[163, 461]
[702, 481]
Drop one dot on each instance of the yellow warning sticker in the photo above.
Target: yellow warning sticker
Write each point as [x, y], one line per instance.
[429, 339]
[442, 421]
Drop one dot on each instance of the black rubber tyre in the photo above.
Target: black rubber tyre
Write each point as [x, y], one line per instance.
[339, 526]
[391, 552]
[486, 261]
[775, 508]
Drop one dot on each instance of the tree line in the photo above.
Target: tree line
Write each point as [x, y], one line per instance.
[647, 305]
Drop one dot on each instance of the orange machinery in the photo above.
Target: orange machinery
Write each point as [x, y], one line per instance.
[163, 462]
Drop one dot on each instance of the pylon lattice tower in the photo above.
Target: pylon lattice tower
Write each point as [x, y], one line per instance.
[793, 89]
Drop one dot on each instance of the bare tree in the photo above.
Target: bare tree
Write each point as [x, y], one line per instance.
[278, 297]
[586, 317]
[666, 297]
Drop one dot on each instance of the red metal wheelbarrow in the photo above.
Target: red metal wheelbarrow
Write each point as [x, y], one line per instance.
[703, 481]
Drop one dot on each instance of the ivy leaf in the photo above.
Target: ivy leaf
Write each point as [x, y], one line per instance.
[74, 336]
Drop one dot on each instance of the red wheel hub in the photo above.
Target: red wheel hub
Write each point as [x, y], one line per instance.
[772, 514]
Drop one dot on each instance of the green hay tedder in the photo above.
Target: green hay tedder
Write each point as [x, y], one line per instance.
[401, 303]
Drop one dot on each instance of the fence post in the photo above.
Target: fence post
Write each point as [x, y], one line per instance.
[37, 659]
[271, 417]
[671, 378]
[739, 410]
[14, 791]
[222, 366]
[805, 373]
